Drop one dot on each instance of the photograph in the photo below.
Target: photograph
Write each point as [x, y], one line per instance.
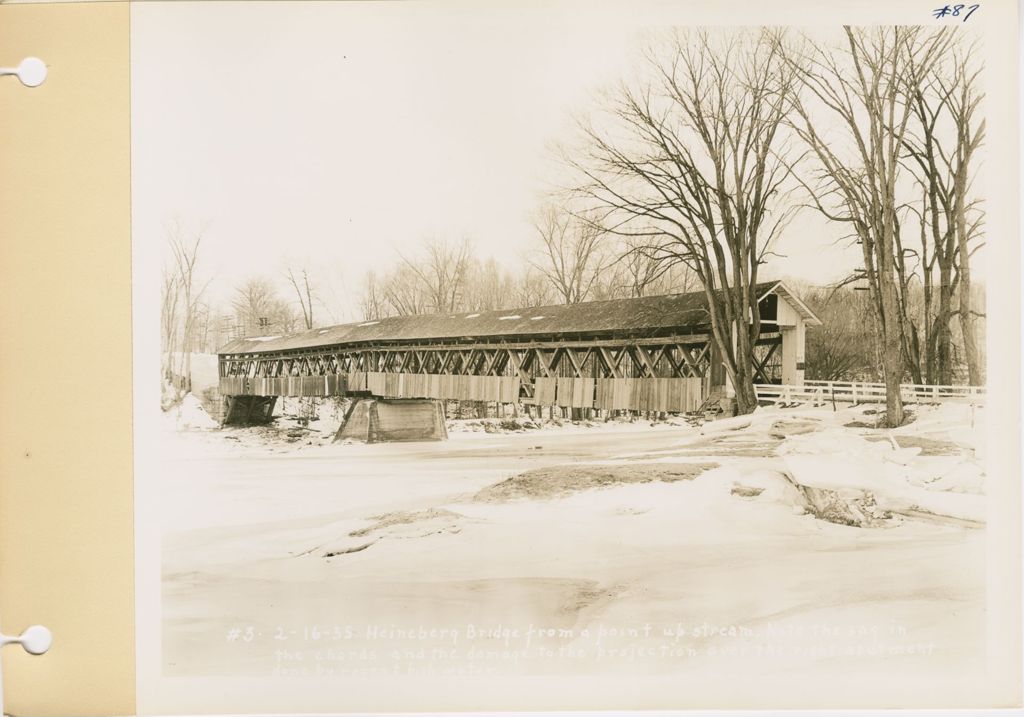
[570, 356]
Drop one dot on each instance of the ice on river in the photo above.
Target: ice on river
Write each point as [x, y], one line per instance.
[379, 552]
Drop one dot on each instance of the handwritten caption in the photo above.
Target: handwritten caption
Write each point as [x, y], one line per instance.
[339, 650]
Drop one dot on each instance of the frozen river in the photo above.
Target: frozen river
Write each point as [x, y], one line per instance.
[342, 561]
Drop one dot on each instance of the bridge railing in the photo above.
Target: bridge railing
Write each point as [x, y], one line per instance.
[820, 392]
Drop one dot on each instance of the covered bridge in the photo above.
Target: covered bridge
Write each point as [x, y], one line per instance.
[645, 354]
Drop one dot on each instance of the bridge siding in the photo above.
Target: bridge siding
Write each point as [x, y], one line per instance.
[671, 395]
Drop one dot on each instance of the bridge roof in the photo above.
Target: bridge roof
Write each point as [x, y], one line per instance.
[684, 313]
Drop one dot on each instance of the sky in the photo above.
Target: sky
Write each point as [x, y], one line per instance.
[336, 135]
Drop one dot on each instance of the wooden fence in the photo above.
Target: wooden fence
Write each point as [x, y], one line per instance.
[669, 395]
[821, 392]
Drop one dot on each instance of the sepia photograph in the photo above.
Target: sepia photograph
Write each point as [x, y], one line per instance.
[567, 356]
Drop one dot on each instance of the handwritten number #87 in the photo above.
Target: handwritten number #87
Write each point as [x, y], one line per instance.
[955, 11]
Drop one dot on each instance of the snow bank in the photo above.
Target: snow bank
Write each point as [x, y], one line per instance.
[899, 478]
[931, 465]
[767, 485]
[190, 415]
[754, 420]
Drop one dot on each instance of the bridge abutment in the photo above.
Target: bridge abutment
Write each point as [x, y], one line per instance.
[383, 420]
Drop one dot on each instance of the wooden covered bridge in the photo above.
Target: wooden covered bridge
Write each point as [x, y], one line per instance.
[645, 354]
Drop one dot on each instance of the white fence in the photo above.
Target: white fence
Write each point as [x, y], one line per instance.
[822, 392]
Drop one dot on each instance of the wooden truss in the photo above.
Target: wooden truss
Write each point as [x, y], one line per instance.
[666, 357]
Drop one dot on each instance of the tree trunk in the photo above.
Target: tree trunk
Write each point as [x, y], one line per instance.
[913, 353]
[746, 396]
[974, 369]
[943, 343]
[892, 354]
[892, 357]
[975, 376]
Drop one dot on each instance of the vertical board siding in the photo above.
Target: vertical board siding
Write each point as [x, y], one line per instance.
[670, 395]
[333, 385]
[441, 386]
[544, 391]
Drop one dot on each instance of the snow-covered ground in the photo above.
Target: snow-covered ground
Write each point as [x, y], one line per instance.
[608, 549]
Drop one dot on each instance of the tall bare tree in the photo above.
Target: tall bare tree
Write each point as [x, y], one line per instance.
[571, 253]
[940, 146]
[301, 285]
[184, 245]
[372, 304]
[694, 171]
[966, 99]
[861, 87]
[169, 321]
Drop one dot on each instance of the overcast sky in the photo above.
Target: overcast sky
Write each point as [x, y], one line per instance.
[337, 134]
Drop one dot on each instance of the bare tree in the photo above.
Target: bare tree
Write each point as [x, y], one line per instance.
[260, 310]
[450, 279]
[613, 282]
[184, 246]
[966, 99]
[862, 88]
[571, 253]
[253, 301]
[678, 279]
[532, 289]
[442, 273]
[404, 293]
[487, 288]
[694, 172]
[940, 146]
[638, 273]
[642, 271]
[372, 304]
[304, 293]
[169, 321]
[841, 349]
